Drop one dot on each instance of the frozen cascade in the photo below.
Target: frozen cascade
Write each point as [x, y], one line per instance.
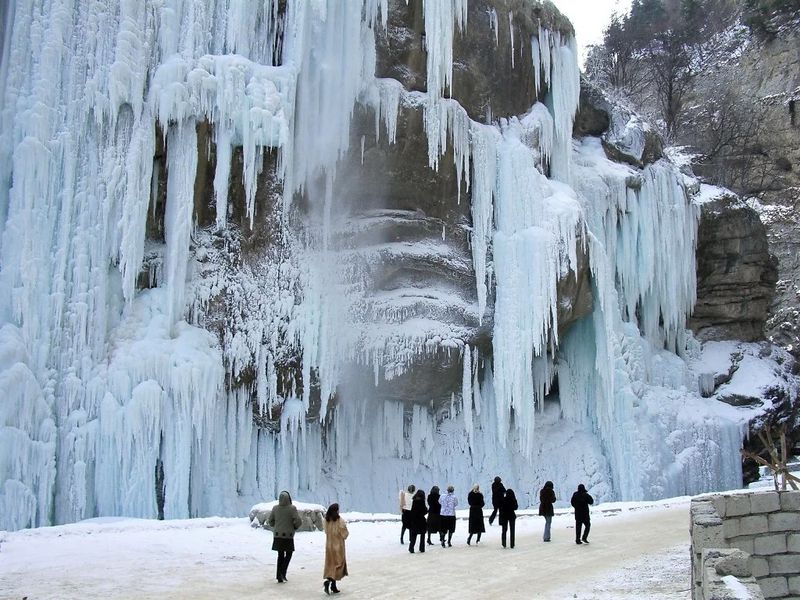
[129, 401]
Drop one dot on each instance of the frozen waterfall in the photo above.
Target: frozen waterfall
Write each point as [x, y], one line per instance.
[154, 364]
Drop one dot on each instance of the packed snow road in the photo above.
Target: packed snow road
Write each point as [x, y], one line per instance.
[636, 551]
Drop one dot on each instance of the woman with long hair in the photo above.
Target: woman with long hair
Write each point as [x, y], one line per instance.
[434, 512]
[335, 560]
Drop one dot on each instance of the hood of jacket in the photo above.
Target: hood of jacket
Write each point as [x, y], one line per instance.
[284, 499]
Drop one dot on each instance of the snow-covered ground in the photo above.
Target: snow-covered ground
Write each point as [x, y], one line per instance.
[637, 550]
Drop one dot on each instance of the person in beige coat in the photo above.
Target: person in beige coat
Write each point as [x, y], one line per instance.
[335, 560]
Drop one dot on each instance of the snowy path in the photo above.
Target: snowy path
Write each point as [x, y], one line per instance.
[640, 553]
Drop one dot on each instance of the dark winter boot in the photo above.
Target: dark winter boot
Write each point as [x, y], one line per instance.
[327, 587]
[469, 540]
[334, 589]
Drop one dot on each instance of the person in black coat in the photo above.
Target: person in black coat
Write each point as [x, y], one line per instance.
[498, 493]
[547, 496]
[476, 504]
[580, 502]
[417, 525]
[508, 516]
[434, 512]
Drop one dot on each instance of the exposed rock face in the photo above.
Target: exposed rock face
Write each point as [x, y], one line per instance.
[626, 138]
[767, 163]
[402, 229]
[772, 71]
[735, 273]
[490, 80]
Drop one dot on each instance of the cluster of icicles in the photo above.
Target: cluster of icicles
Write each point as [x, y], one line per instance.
[110, 392]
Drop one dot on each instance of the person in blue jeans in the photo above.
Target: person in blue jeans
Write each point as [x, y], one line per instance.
[547, 497]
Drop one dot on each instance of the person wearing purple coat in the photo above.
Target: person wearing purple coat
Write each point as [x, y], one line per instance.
[448, 516]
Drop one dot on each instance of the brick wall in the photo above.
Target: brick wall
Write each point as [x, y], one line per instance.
[764, 525]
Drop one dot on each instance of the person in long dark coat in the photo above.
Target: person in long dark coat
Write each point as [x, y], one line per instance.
[417, 525]
[508, 516]
[284, 520]
[434, 512]
[547, 496]
[476, 504]
[580, 502]
[498, 492]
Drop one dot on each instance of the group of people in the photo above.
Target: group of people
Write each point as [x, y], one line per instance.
[423, 519]
[439, 515]
[285, 520]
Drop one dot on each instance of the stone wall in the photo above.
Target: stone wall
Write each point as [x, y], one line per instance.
[763, 525]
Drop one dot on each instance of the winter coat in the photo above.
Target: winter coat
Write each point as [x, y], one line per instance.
[547, 496]
[405, 500]
[335, 560]
[434, 512]
[580, 502]
[449, 503]
[476, 504]
[284, 518]
[508, 508]
[498, 493]
[418, 512]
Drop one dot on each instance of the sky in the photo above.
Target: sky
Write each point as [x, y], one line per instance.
[590, 17]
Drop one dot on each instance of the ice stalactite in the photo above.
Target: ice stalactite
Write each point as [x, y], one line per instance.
[562, 99]
[441, 21]
[484, 176]
[182, 167]
[333, 59]
[466, 392]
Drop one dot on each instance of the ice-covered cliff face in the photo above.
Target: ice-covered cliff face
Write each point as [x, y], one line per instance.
[234, 261]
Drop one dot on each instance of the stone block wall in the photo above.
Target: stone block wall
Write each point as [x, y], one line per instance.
[763, 525]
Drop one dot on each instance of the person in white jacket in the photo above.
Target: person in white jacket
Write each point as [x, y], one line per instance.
[406, 498]
[449, 503]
